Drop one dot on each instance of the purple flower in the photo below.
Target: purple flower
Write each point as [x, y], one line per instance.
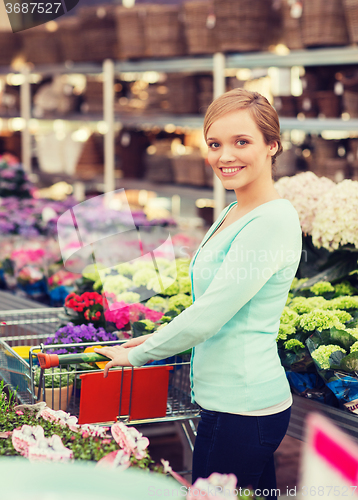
[71, 334]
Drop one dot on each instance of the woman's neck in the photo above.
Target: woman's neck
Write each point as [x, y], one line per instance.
[251, 197]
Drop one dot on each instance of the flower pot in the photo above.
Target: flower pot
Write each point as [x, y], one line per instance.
[52, 397]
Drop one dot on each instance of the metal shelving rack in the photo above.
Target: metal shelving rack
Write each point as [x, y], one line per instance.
[217, 64]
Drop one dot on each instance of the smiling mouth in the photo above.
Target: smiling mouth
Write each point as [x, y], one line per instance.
[230, 170]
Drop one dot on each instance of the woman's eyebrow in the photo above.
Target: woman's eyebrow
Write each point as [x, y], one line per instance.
[233, 137]
[241, 135]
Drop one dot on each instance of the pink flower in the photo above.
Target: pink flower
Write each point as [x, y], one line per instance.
[116, 460]
[25, 437]
[106, 441]
[215, 486]
[59, 416]
[50, 449]
[130, 440]
[167, 469]
[19, 412]
[85, 434]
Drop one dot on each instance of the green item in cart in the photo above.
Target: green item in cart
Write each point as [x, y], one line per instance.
[53, 360]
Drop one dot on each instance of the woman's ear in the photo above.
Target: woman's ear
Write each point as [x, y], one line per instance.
[273, 148]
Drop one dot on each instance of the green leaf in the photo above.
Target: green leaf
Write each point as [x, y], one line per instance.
[138, 329]
[335, 359]
[342, 338]
[171, 313]
[345, 264]
[350, 363]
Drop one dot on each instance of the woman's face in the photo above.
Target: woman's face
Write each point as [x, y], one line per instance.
[237, 151]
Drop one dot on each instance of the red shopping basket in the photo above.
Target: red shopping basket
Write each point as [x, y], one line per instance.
[103, 398]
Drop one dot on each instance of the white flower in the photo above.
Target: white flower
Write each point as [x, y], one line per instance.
[130, 440]
[50, 449]
[116, 460]
[215, 486]
[336, 221]
[304, 191]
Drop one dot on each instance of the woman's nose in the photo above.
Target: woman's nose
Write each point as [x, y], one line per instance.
[227, 155]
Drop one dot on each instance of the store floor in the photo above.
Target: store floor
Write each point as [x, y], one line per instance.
[287, 458]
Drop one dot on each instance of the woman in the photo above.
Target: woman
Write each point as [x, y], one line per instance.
[241, 275]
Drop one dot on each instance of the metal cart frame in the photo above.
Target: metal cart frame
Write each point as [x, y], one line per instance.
[33, 326]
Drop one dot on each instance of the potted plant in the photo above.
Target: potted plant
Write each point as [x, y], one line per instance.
[58, 386]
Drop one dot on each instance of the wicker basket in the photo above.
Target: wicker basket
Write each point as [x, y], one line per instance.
[285, 105]
[306, 105]
[130, 31]
[353, 170]
[200, 32]
[324, 23]
[274, 35]
[353, 152]
[324, 149]
[328, 103]
[190, 169]
[90, 163]
[334, 168]
[158, 168]
[350, 103]
[71, 41]
[242, 25]
[209, 176]
[351, 11]
[182, 94]
[41, 46]
[291, 27]
[164, 33]
[12, 42]
[99, 34]
[93, 96]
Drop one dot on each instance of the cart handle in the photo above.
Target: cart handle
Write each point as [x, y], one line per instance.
[53, 360]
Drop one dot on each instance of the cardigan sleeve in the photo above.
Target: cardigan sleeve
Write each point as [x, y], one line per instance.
[274, 240]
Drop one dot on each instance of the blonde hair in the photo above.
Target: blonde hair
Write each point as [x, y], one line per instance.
[261, 111]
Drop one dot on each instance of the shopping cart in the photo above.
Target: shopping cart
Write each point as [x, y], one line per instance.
[154, 393]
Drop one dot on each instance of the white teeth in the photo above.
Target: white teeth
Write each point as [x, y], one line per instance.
[229, 170]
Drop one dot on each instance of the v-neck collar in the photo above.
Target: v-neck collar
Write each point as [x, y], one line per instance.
[219, 223]
[240, 219]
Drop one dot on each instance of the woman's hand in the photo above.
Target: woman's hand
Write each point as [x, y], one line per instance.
[137, 341]
[117, 354]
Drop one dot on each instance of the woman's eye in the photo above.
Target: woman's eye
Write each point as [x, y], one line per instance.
[242, 142]
[213, 145]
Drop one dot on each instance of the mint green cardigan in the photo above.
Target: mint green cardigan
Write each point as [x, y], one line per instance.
[240, 281]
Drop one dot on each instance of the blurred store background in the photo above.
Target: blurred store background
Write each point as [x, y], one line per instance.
[113, 95]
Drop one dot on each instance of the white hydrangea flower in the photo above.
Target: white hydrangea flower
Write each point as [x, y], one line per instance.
[336, 221]
[304, 191]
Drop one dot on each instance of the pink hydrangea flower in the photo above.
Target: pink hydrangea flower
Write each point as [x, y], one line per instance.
[130, 440]
[59, 416]
[116, 460]
[216, 486]
[50, 449]
[25, 437]
[94, 430]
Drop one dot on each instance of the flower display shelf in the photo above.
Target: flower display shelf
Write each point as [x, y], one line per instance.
[301, 407]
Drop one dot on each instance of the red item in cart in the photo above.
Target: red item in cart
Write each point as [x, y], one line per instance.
[100, 397]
